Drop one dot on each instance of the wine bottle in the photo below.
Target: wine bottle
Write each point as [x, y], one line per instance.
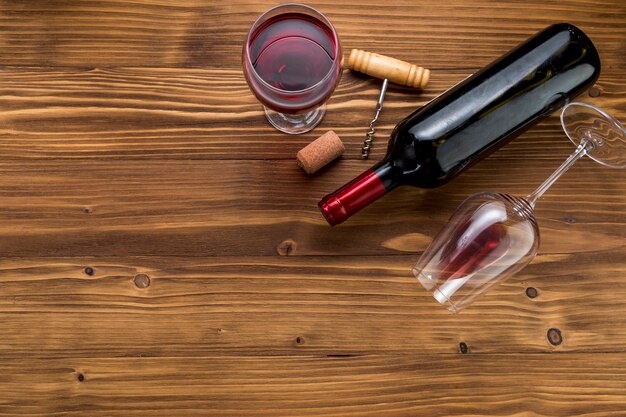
[475, 117]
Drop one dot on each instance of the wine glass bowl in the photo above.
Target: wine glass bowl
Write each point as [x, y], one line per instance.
[491, 236]
[292, 63]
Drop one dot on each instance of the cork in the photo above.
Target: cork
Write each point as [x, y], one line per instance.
[395, 70]
[320, 152]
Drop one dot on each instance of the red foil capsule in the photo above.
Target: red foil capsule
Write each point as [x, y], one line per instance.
[352, 197]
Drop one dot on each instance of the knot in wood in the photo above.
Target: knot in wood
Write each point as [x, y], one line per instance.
[554, 336]
[286, 247]
[141, 281]
[531, 292]
[594, 92]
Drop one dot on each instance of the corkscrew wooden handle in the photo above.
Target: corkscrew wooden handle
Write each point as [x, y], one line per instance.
[395, 70]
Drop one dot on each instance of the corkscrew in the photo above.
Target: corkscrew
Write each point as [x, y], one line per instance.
[387, 69]
[369, 137]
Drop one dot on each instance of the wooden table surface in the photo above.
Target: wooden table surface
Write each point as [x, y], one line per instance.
[162, 254]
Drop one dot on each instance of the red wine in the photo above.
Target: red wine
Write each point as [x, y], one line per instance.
[474, 118]
[473, 247]
[293, 53]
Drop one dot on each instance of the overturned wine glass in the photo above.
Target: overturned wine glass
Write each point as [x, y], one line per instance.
[491, 236]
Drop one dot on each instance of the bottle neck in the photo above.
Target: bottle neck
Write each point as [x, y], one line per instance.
[358, 193]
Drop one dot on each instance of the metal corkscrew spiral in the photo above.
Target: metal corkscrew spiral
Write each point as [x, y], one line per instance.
[369, 137]
[387, 69]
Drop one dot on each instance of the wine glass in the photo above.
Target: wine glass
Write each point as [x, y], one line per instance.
[292, 63]
[491, 236]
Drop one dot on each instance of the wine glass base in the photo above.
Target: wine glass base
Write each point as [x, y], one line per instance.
[295, 124]
[600, 133]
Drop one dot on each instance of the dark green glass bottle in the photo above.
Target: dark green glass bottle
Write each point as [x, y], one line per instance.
[475, 117]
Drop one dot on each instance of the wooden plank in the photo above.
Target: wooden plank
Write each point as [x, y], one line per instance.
[160, 252]
[228, 208]
[50, 308]
[159, 113]
[192, 33]
[398, 385]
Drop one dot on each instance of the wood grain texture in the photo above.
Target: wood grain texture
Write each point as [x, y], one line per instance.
[156, 113]
[197, 33]
[340, 305]
[161, 253]
[398, 385]
[222, 208]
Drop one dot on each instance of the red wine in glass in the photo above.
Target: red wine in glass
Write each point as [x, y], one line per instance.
[291, 61]
[471, 248]
[487, 239]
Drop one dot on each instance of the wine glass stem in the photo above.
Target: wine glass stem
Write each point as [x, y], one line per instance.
[580, 151]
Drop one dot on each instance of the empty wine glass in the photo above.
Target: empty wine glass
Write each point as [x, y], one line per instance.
[292, 63]
[491, 236]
